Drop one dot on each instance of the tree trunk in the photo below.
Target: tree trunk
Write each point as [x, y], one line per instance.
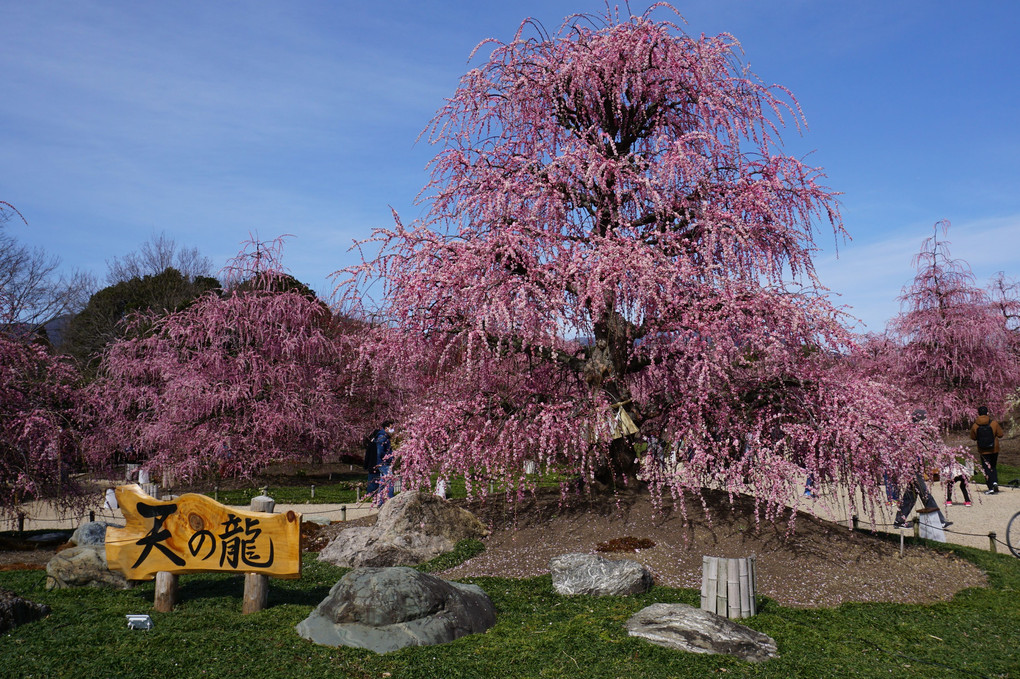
[605, 372]
[622, 464]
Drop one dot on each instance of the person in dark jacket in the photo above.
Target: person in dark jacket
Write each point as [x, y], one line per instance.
[379, 461]
[987, 433]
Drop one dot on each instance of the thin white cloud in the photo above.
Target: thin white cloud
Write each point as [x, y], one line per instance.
[870, 276]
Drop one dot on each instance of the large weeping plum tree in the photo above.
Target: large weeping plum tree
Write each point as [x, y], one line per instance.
[957, 351]
[232, 383]
[610, 232]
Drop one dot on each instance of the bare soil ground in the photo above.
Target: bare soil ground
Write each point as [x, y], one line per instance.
[821, 564]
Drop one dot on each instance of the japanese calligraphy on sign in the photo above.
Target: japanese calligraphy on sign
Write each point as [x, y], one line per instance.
[194, 534]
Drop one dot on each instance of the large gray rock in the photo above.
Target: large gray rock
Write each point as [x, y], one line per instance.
[422, 512]
[411, 528]
[358, 547]
[385, 609]
[687, 628]
[16, 611]
[596, 575]
[83, 566]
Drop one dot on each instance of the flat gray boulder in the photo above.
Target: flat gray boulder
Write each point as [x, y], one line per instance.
[598, 576]
[386, 609]
[691, 629]
[83, 566]
[413, 527]
[15, 610]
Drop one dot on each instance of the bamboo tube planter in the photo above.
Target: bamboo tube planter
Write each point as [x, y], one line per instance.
[728, 586]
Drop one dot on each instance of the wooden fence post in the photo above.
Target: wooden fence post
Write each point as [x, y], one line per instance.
[256, 585]
[991, 543]
[728, 586]
[166, 592]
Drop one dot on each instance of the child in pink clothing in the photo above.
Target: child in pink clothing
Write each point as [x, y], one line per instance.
[957, 472]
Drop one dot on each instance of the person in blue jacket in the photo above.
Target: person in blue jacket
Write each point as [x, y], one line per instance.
[379, 461]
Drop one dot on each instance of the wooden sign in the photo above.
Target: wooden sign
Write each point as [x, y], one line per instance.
[194, 534]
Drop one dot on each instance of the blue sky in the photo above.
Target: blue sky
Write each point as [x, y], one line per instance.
[208, 121]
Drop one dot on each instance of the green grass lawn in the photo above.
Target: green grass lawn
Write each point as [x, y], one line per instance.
[349, 491]
[1007, 473]
[538, 634]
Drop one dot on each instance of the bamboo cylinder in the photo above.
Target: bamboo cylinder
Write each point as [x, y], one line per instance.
[728, 586]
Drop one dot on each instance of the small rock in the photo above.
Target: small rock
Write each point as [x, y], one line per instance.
[15, 610]
[89, 533]
[596, 575]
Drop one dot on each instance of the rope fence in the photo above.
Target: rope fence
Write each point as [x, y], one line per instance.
[107, 514]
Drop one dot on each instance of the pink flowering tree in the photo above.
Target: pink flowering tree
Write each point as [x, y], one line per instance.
[1004, 292]
[956, 350]
[38, 395]
[233, 383]
[604, 265]
[38, 449]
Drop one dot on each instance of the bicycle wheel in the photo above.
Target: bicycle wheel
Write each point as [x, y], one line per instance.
[1013, 535]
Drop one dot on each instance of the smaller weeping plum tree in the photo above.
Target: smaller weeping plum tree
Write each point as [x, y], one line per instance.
[956, 352]
[1004, 292]
[38, 396]
[611, 228]
[233, 383]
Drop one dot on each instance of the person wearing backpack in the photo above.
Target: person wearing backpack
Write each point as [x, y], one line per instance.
[987, 432]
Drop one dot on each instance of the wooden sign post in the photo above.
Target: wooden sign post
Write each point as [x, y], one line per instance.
[194, 534]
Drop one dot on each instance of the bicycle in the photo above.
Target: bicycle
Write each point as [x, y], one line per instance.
[1013, 535]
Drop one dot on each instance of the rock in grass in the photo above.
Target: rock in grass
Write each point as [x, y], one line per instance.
[412, 528]
[89, 533]
[83, 566]
[686, 628]
[16, 611]
[596, 575]
[386, 609]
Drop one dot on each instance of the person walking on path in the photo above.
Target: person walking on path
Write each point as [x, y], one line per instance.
[379, 461]
[987, 432]
[918, 489]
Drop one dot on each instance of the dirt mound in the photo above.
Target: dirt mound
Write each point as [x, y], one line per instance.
[820, 564]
